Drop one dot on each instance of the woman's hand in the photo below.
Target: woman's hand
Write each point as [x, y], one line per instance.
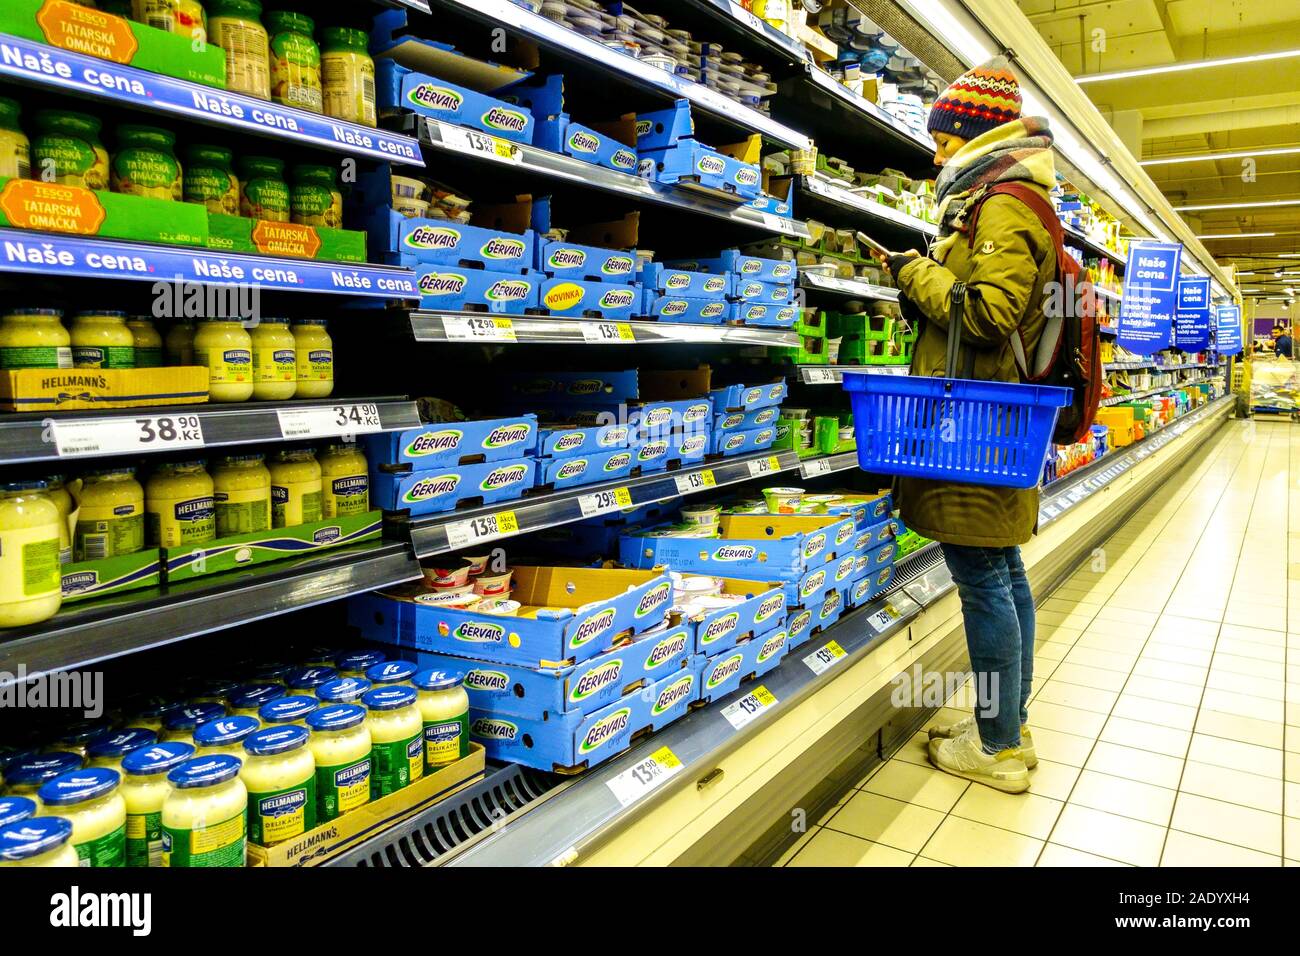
[894, 264]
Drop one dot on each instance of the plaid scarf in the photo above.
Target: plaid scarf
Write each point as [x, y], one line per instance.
[1019, 151]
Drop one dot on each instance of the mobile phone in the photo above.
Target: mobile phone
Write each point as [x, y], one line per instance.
[872, 244]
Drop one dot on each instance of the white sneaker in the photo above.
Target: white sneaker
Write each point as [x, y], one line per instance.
[1027, 752]
[964, 757]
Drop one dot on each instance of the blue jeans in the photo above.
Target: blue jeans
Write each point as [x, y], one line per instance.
[998, 609]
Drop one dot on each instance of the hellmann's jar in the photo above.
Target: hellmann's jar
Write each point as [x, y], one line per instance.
[280, 774]
[31, 582]
[314, 350]
[34, 338]
[39, 841]
[110, 517]
[348, 75]
[345, 480]
[91, 800]
[340, 744]
[205, 816]
[226, 349]
[397, 738]
[145, 788]
[179, 506]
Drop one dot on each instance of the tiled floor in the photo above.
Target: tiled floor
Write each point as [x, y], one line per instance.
[1166, 710]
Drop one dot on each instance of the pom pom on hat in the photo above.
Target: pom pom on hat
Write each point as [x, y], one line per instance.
[980, 99]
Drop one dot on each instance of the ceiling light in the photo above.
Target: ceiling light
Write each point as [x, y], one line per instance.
[1239, 205]
[1185, 66]
[1235, 154]
[1238, 235]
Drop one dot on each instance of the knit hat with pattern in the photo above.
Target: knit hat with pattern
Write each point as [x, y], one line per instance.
[978, 100]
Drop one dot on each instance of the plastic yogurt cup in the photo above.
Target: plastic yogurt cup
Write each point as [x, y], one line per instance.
[783, 501]
[702, 514]
[447, 577]
[451, 597]
[499, 607]
[411, 207]
[477, 564]
[491, 585]
[405, 187]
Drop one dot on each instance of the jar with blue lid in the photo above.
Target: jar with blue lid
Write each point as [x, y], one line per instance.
[214, 691]
[144, 788]
[107, 750]
[76, 737]
[280, 774]
[356, 663]
[292, 709]
[180, 724]
[391, 672]
[91, 800]
[225, 735]
[396, 736]
[444, 713]
[340, 744]
[17, 809]
[205, 814]
[343, 690]
[272, 672]
[27, 776]
[309, 678]
[248, 699]
[152, 711]
[40, 841]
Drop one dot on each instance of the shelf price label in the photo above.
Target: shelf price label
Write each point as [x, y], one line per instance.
[824, 658]
[601, 332]
[603, 502]
[463, 328]
[883, 618]
[764, 466]
[821, 376]
[638, 780]
[780, 224]
[328, 421]
[114, 436]
[477, 143]
[748, 707]
[818, 466]
[745, 16]
[695, 481]
[461, 534]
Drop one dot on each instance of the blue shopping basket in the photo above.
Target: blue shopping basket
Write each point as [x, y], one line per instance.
[952, 429]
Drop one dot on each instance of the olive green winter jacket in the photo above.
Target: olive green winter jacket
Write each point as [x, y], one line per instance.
[1009, 262]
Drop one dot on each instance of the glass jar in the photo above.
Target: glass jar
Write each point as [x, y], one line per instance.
[248, 699]
[145, 163]
[340, 745]
[110, 516]
[179, 505]
[225, 735]
[214, 690]
[26, 776]
[343, 690]
[291, 709]
[280, 774]
[226, 348]
[345, 480]
[91, 801]
[263, 193]
[315, 356]
[295, 488]
[307, 679]
[242, 487]
[315, 199]
[108, 750]
[348, 75]
[235, 26]
[15, 148]
[67, 150]
[295, 60]
[388, 673]
[102, 340]
[182, 17]
[40, 841]
[148, 343]
[275, 360]
[34, 338]
[205, 816]
[76, 737]
[178, 347]
[397, 739]
[31, 579]
[56, 487]
[152, 711]
[181, 723]
[18, 809]
[444, 709]
[144, 789]
[356, 663]
[209, 179]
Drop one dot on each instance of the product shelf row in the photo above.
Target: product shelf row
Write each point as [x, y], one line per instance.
[853, 288]
[834, 374]
[1147, 393]
[826, 199]
[428, 326]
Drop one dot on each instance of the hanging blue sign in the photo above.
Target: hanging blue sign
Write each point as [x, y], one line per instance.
[1146, 313]
[1228, 321]
[1192, 322]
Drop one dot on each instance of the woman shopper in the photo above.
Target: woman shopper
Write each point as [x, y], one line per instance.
[982, 140]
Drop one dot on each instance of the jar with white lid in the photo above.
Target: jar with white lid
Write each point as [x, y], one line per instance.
[397, 738]
[444, 711]
[92, 801]
[340, 745]
[280, 774]
[205, 816]
[40, 841]
[144, 788]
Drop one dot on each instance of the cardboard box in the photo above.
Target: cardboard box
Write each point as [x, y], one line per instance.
[694, 163]
[540, 692]
[561, 441]
[868, 588]
[745, 398]
[611, 144]
[676, 450]
[285, 239]
[398, 88]
[674, 309]
[79, 29]
[761, 611]
[575, 470]
[735, 262]
[499, 237]
[274, 544]
[77, 211]
[760, 292]
[556, 626]
[684, 283]
[576, 297]
[449, 289]
[724, 672]
[569, 260]
[454, 443]
[68, 389]
[87, 580]
[743, 442]
[433, 490]
[575, 742]
[346, 831]
[572, 386]
[740, 420]
[768, 316]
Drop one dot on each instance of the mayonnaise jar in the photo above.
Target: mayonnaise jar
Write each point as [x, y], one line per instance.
[153, 712]
[315, 357]
[242, 492]
[17, 809]
[275, 360]
[214, 690]
[34, 338]
[205, 816]
[397, 738]
[31, 580]
[248, 699]
[225, 735]
[307, 679]
[144, 788]
[76, 737]
[91, 800]
[179, 505]
[295, 488]
[390, 672]
[41, 841]
[343, 690]
[108, 750]
[178, 346]
[340, 744]
[148, 343]
[345, 481]
[110, 519]
[356, 663]
[280, 774]
[26, 777]
[225, 348]
[290, 710]
[180, 724]
[444, 710]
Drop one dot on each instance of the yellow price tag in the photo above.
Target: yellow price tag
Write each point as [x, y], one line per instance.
[507, 522]
[626, 332]
[774, 462]
[665, 758]
[834, 649]
[707, 477]
[763, 696]
[623, 497]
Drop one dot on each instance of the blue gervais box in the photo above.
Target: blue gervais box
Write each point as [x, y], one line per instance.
[569, 260]
[737, 263]
[744, 442]
[740, 421]
[606, 144]
[445, 242]
[561, 441]
[577, 297]
[451, 289]
[767, 316]
[432, 490]
[662, 280]
[868, 588]
[762, 610]
[758, 292]
[678, 309]
[574, 470]
[446, 443]
[723, 673]
[678, 449]
[398, 88]
[745, 398]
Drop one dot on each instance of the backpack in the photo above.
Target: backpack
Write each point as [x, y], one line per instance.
[1069, 352]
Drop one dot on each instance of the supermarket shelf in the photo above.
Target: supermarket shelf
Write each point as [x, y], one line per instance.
[61, 71]
[1147, 393]
[451, 531]
[825, 197]
[1076, 238]
[448, 137]
[429, 326]
[827, 464]
[167, 428]
[55, 255]
[1138, 366]
[834, 374]
[561, 39]
[733, 15]
[857, 288]
[84, 635]
[874, 115]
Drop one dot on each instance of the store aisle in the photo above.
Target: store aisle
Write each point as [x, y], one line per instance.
[1166, 707]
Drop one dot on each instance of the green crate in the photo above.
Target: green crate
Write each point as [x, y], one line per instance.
[861, 325]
